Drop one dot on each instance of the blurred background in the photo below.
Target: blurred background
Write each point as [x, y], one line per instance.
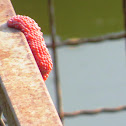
[92, 75]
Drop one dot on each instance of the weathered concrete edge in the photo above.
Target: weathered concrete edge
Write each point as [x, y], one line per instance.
[2, 85]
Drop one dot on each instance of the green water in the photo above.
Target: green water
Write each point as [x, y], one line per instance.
[75, 18]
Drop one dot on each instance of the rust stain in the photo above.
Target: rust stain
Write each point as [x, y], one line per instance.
[4, 54]
[1, 7]
[22, 43]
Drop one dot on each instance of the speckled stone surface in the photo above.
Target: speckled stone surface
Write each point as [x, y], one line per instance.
[27, 93]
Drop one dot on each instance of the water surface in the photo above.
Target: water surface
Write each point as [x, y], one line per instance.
[92, 76]
[75, 18]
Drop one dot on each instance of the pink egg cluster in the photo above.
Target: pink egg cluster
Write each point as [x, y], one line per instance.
[35, 40]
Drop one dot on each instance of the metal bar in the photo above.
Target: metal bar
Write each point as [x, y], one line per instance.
[79, 41]
[95, 111]
[24, 97]
[124, 13]
[1, 120]
[57, 83]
